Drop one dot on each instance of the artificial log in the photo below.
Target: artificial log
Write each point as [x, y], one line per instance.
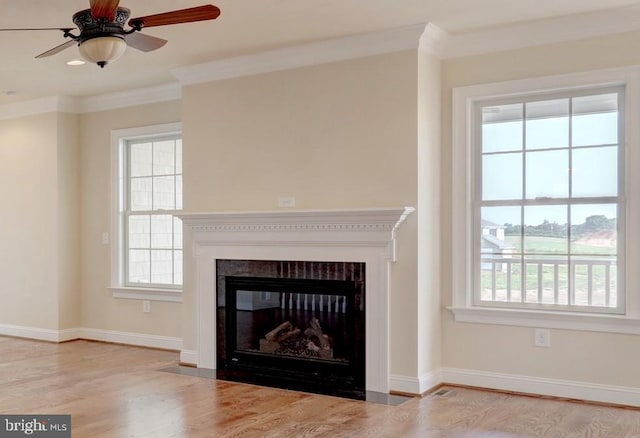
[271, 336]
[272, 340]
[286, 339]
[315, 330]
[268, 347]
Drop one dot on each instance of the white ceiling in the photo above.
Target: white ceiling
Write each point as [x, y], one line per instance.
[244, 27]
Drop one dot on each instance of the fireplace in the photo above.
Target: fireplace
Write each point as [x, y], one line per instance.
[363, 236]
[296, 325]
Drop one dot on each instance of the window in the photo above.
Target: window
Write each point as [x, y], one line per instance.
[540, 174]
[153, 194]
[547, 201]
[147, 251]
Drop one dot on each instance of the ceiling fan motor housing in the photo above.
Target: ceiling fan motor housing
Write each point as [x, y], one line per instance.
[99, 27]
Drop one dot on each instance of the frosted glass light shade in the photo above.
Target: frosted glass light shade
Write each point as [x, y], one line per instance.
[102, 50]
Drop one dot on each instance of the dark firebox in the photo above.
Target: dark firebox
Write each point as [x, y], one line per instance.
[288, 330]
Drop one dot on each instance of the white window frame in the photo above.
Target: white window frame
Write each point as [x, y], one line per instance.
[464, 100]
[119, 137]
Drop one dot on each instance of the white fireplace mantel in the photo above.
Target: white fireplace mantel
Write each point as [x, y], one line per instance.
[357, 235]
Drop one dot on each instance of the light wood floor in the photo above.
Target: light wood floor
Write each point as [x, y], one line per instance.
[118, 391]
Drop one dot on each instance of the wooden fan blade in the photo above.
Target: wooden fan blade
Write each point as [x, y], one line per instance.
[199, 13]
[57, 49]
[145, 43]
[104, 9]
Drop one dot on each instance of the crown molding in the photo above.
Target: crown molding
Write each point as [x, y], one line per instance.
[81, 105]
[33, 107]
[123, 99]
[544, 31]
[321, 52]
[434, 41]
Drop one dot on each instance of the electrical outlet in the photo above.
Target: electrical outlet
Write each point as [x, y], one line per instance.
[542, 337]
[286, 201]
[105, 238]
[146, 306]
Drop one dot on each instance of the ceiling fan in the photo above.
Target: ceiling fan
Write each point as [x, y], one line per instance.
[102, 35]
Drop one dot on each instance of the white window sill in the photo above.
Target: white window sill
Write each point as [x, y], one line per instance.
[546, 319]
[143, 293]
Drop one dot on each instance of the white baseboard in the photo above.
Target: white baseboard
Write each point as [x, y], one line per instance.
[139, 339]
[415, 385]
[189, 357]
[39, 334]
[622, 395]
[70, 334]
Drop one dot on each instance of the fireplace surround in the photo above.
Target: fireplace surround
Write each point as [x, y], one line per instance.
[364, 236]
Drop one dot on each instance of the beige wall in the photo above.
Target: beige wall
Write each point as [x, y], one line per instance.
[574, 355]
[33, 173]
[99, 309]
[340, 135]
[68, 221]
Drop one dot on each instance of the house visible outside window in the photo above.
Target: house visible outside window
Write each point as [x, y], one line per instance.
[147, 251]
[543, 200]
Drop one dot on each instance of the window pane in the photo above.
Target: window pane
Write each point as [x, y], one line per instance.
[139, 231]
[595, 120]
[594, 229]
[547, 124]
[547, 280]
[164, 194]
[502, 128]
[500, 231]
[595, 281]
[162, 267]
[140, 159]
[164, 158]
[140, 194]
[177, 268]
[502, 176]
[502, 281]
[595, 172]
[161, 232]
[545, 229]
[139, 266]
[547, 174]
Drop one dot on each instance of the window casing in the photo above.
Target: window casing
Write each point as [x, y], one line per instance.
[621, 314]
[146, 237]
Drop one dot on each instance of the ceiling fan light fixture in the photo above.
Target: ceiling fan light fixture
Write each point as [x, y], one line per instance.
[102, 50]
